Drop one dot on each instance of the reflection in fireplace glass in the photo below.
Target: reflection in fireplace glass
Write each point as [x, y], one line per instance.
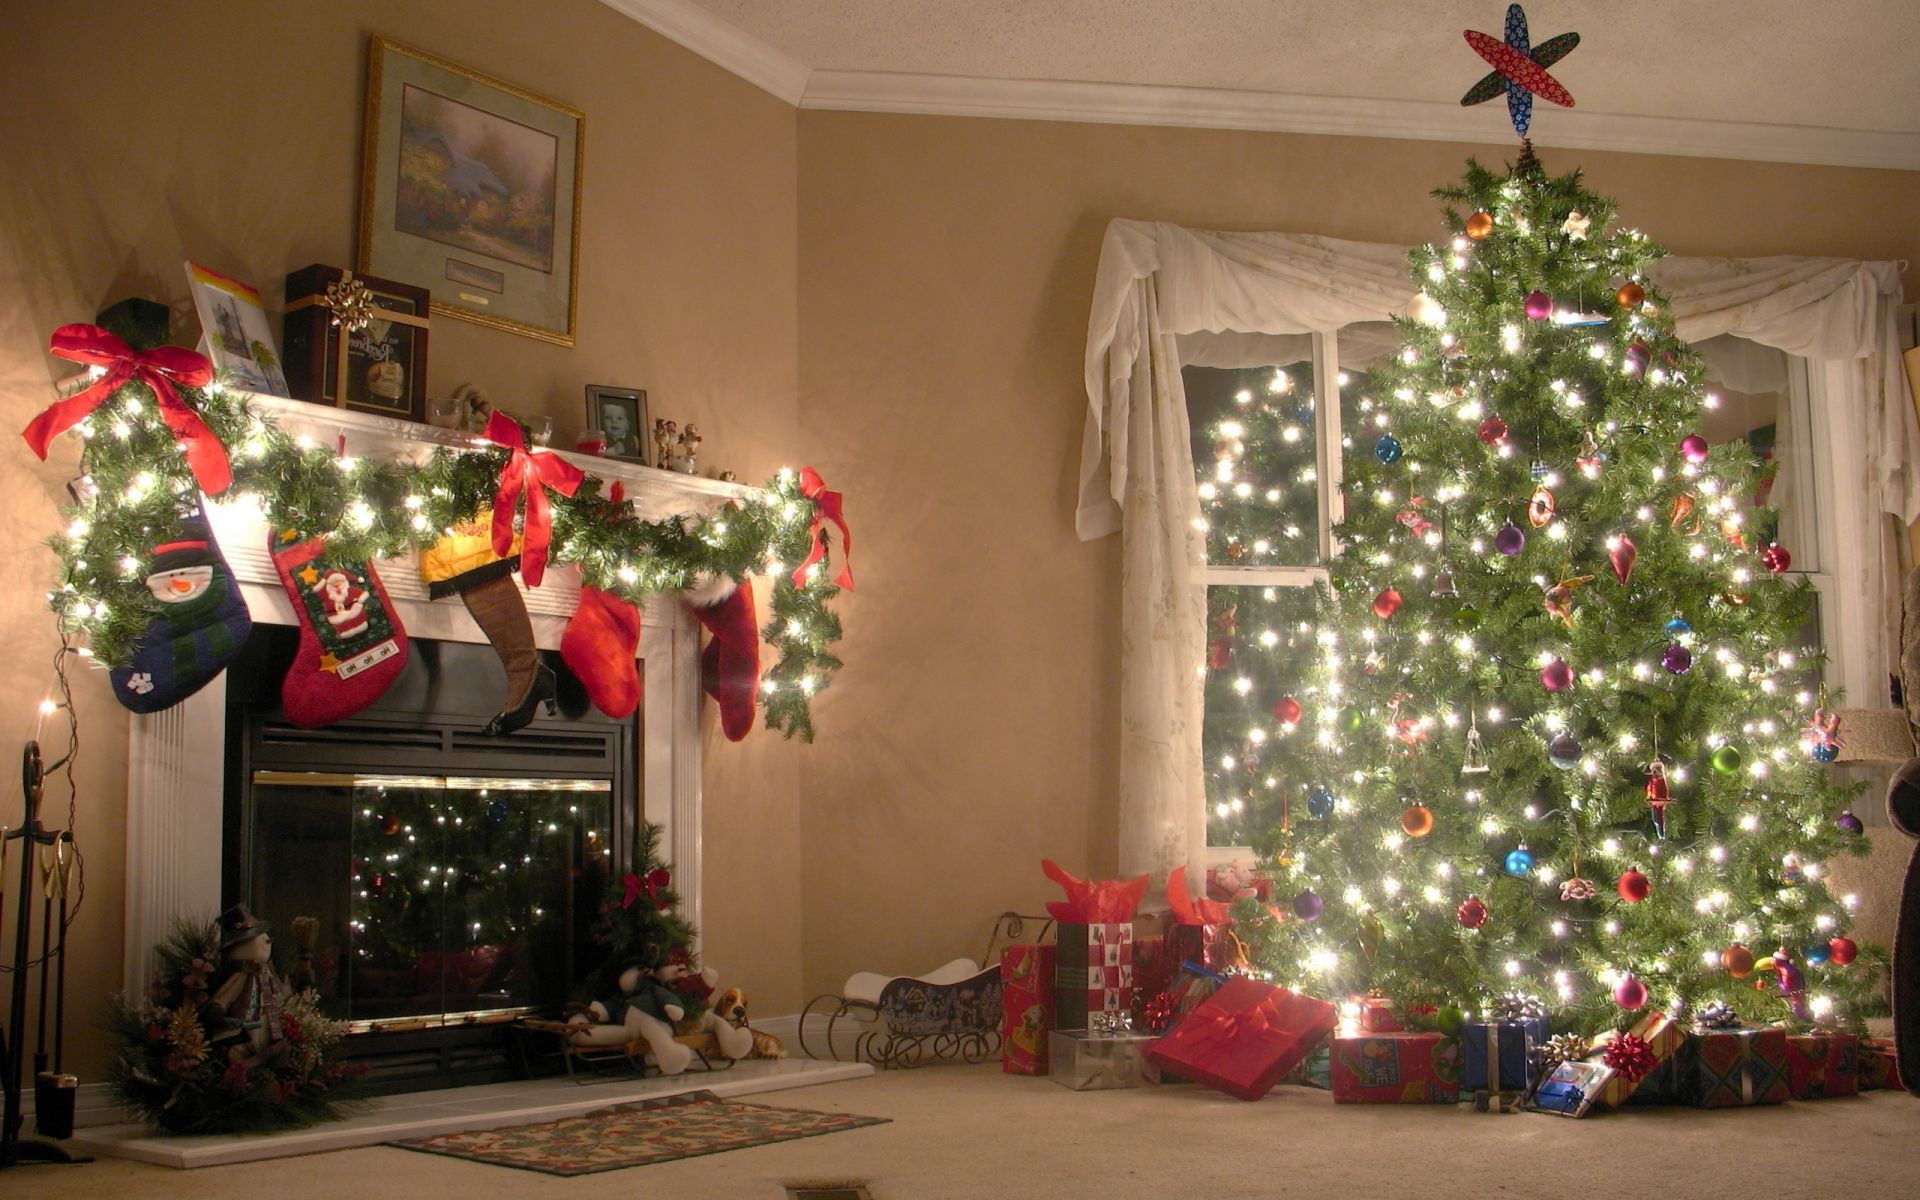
[429, 897]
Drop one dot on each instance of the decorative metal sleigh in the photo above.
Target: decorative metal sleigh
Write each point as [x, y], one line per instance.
[908, 1020]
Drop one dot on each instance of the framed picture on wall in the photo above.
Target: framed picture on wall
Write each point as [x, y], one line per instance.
[620, 416]
[470, 188]
[239, 337]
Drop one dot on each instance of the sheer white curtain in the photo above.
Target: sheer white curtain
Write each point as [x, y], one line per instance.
[1159, 282]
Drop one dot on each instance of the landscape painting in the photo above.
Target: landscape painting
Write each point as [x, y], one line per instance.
[475, 181]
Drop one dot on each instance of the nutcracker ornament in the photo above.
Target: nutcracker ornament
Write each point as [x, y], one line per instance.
[1658, 797]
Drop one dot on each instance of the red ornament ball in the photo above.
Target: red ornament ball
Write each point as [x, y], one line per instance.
[1693, 448]
[1472, 913]
[1634, 887]
[1539, 306]
[390, 824]
[1417, 820]
[1386, 604]
[1630, 993]
[1479, 225]
[1842, 950]
[1776, 558]
[1738, 960]
[1287, 711]
[1493, 431]
[1631, 295]
[1556, 676]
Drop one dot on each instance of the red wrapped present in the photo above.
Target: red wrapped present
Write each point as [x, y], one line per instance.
[1641, 1054]
[1396, 1068]
[1244, 1037]
[1026, 1007]
[1377, 1016]
[1823, 1064]
[1879, 1068]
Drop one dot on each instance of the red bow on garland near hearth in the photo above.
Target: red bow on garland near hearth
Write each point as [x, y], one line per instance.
[532, 472]
[650, 885]
[159, 369]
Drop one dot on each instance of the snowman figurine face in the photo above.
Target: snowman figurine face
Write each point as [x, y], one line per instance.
[180, 584]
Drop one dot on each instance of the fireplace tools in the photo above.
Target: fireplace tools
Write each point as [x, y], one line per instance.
[53, 852]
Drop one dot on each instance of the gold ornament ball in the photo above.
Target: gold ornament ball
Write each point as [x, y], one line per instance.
[1417, 820]
[1228, 448]
[1738, 960]
[1631, 295]
[1236, 551]
[1479, 225]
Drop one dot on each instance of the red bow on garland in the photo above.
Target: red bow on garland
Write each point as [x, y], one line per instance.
[1630, 1057]
[532, 472]
[649, 885]
[828, 506]
[160, 369]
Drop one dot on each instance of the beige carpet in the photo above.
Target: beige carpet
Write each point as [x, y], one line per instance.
[961, 1133]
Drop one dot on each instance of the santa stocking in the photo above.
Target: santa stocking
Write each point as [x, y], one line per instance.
[351, 644]
[730, 665]
[202, 624]
[599, 645]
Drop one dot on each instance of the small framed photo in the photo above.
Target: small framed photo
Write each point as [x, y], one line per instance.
[620, 416]
[239, 337]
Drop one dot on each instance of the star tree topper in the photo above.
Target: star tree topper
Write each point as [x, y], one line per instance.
[1519, 70]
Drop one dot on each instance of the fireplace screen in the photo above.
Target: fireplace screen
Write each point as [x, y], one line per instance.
[419, 900]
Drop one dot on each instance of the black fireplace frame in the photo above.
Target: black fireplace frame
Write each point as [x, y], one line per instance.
[430, 723]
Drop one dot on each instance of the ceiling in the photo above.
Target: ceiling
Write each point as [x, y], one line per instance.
[1768, 79]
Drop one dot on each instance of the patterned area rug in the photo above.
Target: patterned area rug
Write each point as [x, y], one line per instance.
[634, 1135]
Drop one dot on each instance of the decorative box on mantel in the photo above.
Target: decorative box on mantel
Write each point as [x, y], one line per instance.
[176, 758]
[354, 341]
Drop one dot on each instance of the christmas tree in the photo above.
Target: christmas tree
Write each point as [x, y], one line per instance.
[1549, 728]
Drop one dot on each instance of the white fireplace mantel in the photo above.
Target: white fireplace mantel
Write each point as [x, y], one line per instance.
[176, 758]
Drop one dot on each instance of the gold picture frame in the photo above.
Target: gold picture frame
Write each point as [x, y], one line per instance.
[470, 188]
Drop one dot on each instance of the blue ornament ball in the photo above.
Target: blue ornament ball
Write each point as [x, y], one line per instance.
[1816, 953]
[1319, 801]
[1519, 861]
[1678, 626]
[1826, 752]
[1387, 449]
[496, 811]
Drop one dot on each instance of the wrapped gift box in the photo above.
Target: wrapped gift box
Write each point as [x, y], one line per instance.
[1669, 1080]
[1878, 1066]
[1569, 1090]
[1485, 1101]
[1396, 1068]
[378, 365]
[1499, 1055]
[1377, 1015]
[1315, 1070]
[1093, 972]
[1026, 1008]
[1088, 1062]
[1820, 1065]
[1244, 1037]
[1737, 1067]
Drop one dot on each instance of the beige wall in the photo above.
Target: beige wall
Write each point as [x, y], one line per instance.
[229, 133]
[945, 271]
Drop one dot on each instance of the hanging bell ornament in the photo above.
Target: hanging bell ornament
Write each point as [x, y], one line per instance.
[1443, 588]
[1475, 762]
[1621, 556]
[1540, 507]
[1658, 796]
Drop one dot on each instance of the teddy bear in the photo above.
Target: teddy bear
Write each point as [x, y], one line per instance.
[646, 1007]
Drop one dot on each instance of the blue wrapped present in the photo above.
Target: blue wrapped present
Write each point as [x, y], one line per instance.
[1570, 1089]
[1498, 1055]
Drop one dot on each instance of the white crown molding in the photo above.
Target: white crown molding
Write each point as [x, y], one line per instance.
[735, 50]
[722, 43]
[1219, 108]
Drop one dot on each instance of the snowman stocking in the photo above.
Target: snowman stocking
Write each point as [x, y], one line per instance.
[730, 665]
[599, 645]
[202, 624]
[351, 643]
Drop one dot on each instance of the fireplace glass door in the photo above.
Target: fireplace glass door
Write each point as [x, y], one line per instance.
[411, 901]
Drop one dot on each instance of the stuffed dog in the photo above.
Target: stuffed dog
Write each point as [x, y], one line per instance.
[731, 1007]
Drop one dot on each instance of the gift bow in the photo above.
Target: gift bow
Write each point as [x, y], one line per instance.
[1215, 1029]
[649, 885]
[828, 506]
[1630, 1057]
[160, 369]
[1092, 903]
[532, 472]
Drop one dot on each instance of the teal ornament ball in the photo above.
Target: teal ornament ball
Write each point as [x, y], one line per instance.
[1519, 862]
[1678, 626]
[1727, 760]
[1816, 953]
[1826, 752]
[1387, 449]
[1319, 801]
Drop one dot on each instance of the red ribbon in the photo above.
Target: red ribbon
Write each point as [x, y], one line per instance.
[828, 506]
[1215, 1029]
[532, 472]
[649, 885]
[160, 369]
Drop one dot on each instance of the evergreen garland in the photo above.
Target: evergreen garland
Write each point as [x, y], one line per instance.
[134, 484]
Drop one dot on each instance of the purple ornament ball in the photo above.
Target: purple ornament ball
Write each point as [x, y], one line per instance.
[1510, 540]
[1307, 906]
[1539, 306]
[1849, 824]
[1693, 448]
[1678, 660]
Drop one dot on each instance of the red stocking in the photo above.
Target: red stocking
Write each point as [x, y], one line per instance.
[730, 665]
[351, 644]
[599, 645]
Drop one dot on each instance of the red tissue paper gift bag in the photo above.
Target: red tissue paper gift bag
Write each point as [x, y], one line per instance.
[1093, 963]
[1244, 1037]
[1026, 1008]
